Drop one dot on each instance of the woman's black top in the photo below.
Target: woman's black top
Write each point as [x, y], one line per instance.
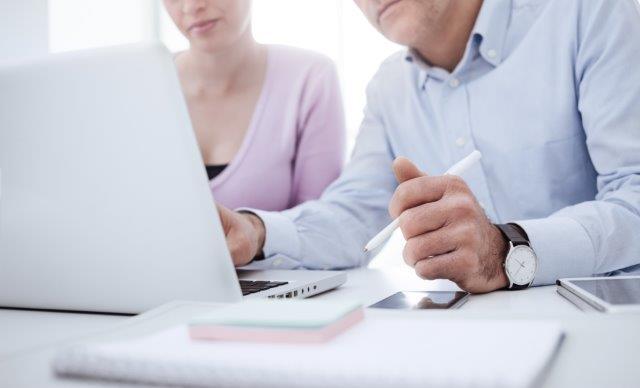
[215, 170]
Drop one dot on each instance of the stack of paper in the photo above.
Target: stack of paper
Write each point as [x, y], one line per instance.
[382, 351]
[265, 320]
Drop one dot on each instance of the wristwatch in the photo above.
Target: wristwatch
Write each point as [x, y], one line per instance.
[521, 262]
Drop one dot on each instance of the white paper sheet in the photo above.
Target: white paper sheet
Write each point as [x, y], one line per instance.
[380, 352]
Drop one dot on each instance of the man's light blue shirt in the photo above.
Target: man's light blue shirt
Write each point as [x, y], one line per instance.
[549, 92]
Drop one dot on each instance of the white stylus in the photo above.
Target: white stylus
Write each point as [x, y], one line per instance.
[457, 169]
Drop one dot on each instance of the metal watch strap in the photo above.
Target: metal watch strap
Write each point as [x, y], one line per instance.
[516, 236]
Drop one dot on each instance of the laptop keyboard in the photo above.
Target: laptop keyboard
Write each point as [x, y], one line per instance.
[253, 286]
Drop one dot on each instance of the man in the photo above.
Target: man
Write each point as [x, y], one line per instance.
[547, 90]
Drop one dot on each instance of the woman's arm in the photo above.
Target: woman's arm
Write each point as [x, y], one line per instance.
[320, 147]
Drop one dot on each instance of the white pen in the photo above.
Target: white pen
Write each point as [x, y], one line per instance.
[457, 169]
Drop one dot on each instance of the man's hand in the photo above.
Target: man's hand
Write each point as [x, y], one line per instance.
[448, 235]
[245, 235]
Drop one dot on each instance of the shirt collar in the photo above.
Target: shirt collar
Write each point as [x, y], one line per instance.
[489, 30]
[491, 27]
[424, 68]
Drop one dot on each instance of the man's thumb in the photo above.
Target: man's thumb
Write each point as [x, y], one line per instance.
[404, 169]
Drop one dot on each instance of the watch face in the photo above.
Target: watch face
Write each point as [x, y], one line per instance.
[521, 265]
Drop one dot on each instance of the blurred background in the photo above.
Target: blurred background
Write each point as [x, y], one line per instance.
[333, 27]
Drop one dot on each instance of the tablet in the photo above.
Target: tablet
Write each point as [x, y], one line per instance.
[606, 294]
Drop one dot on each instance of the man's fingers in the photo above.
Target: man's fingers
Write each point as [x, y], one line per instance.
[424, 218]
[447, 266]
[427, 245]
[404, 169]
[418, 191]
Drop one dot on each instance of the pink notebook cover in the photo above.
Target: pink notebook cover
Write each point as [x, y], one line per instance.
[288, 335]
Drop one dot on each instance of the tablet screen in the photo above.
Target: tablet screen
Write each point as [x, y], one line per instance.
[615, 291]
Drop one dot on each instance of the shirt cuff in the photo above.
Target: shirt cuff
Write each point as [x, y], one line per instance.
[563, 248]
[281, 236]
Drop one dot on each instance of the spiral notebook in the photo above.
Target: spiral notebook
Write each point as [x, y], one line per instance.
[380, 352]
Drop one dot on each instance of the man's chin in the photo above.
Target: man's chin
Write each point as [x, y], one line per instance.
[400, 34]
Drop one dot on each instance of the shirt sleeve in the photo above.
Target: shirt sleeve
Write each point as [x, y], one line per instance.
[331, 232]
[320, 147]
[601, 236]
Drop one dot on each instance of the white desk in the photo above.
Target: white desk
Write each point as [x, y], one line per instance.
[599, 350]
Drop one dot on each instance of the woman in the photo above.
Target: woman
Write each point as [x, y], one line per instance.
[268, 119]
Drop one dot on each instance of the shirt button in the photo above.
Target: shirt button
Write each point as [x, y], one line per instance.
[492, 53]
[454, 82]
[461, 141]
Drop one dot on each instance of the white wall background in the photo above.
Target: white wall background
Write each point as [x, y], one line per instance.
[23, 28]
[80, 24]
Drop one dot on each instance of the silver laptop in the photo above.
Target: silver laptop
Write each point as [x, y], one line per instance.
[104, 199]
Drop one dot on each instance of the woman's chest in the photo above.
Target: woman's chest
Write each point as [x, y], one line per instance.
[221, 124]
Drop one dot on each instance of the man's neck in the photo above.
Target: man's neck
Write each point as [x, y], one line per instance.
[223, 70]
[444, 45]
